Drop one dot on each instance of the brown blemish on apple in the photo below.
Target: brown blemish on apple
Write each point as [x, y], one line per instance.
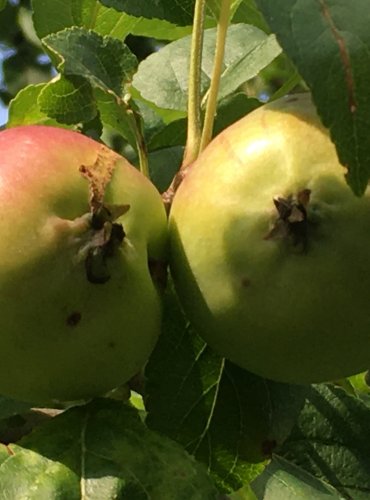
[245, 282]
[99, 174]
[74, 318]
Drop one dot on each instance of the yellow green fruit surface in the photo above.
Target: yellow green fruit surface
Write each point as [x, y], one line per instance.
[287, 312]
[63, 337]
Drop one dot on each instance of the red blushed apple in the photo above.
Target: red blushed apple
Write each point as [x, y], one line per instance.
[79, 230]
[270, 248]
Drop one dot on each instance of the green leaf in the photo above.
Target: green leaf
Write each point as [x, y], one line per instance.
[215, 6]
[228, 418]
[68, 100]
[116, 115]
[180, 13]
[2, 4]
[158, 29]
[101, 451]
[360, 383]
[229, 110]
[248, 13]
[331, 441]
[163, 165]
[95, 70]
[105, 62]
[89, 14]
[281, 480]
[163, 77]
[329, 42]
[24, 109]
[10, 407]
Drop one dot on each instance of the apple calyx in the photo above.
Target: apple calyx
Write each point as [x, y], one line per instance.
[292, 223]
[107, 236]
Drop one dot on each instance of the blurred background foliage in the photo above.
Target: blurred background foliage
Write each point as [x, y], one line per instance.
[23, 60]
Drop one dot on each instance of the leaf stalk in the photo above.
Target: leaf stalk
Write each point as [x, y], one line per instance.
[194, 97]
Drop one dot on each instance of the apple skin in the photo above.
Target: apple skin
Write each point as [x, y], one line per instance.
[297, 315]
[63, 337]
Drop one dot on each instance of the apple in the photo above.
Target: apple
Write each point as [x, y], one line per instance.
[80, 231]
[270, 249]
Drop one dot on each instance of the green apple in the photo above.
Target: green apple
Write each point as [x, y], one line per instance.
[270, 248]
[80, 231]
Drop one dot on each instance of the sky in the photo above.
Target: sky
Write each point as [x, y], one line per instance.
[3, 111]
[3, 114]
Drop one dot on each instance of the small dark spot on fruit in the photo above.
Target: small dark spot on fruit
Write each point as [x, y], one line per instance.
[246, 282]
[111, 344]
[268, 447]
[74, 318]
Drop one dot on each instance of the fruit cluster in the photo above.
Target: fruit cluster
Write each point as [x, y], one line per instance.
[268, 253]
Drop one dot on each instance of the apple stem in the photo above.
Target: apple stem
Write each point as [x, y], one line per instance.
[194, 97]
[197, 140]
[137, 130]
[143, 156]
[222, 26]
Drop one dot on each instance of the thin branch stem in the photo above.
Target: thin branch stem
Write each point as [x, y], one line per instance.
[194, 98]
[211, 107]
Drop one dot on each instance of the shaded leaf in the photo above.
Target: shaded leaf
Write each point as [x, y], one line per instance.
[177, 12]
[105, 62]
[2, 4]
[163, 77]
[163, 165]
[215, 6]
[227, 417]
[68, 100]
[229, 110]
[248, 13]
[89, 14]
[13, 428]
[331, 440]
[329, 41]
[101, 451]
[10, 407]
